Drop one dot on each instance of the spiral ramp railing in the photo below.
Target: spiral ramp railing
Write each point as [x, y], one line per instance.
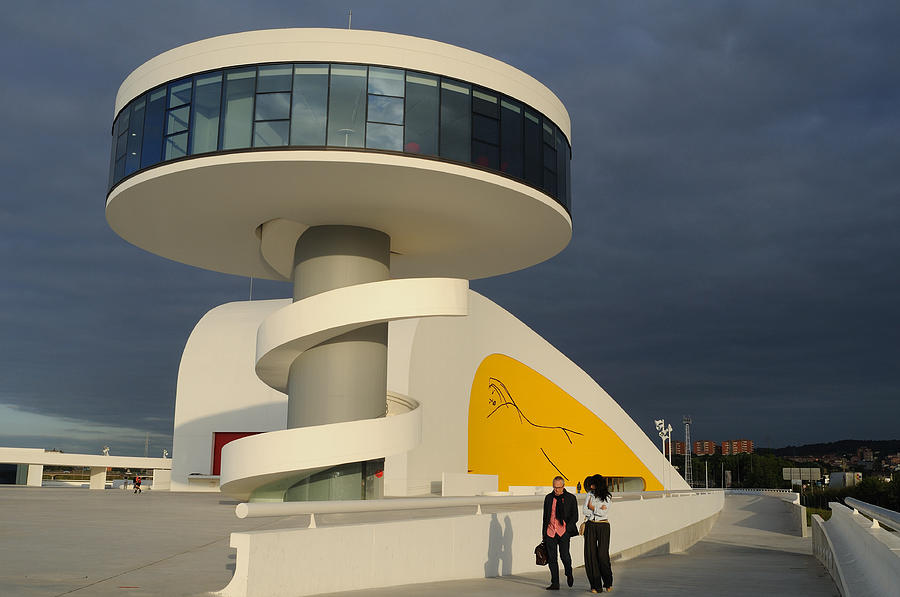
[276, 459]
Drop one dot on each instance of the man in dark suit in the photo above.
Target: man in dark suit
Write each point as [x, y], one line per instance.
[560, 523]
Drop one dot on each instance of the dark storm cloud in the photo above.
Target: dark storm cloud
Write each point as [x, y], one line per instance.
[735, 207]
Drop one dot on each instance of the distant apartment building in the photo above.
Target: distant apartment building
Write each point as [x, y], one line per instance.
[737, 446]
[679, 448]
[705, 448]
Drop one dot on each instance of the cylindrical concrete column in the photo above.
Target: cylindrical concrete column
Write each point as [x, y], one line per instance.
[345, 378]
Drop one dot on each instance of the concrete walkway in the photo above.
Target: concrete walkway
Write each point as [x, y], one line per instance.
[56, 542]
[750, 551]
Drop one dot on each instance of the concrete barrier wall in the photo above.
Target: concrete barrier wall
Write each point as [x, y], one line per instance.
[294, 562]
[862, 559]
[824, 550]
[461, 484]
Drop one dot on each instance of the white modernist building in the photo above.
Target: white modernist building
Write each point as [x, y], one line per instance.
[31, 462]
[378, 173]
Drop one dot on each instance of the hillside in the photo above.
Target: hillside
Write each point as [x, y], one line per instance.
[844, 446]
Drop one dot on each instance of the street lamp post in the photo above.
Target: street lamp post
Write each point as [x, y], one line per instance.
[665, 433]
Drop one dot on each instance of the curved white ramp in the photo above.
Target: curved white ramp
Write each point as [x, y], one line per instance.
[264, 466]
[270, 459]
[308, 322]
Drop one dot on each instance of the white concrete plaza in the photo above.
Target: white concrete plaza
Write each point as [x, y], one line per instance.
[76, 542]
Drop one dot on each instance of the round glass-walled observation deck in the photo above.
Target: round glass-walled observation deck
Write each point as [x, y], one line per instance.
[341, 106]
[226, 150]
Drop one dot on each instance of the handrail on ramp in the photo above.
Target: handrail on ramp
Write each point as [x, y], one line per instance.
[885, 517]
[262, 509]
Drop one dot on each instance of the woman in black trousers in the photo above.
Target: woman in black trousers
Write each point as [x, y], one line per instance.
[596, 535]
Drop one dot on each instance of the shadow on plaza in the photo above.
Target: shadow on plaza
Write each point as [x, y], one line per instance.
[765, 514]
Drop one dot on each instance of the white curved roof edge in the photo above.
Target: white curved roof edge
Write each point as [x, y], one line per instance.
[342, 45]
[434, 211]
[40, 456]
[308, 322]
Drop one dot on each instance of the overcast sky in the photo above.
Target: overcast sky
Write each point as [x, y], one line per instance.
[736, 190]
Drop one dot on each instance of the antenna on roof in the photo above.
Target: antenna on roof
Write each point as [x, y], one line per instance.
[349, 18]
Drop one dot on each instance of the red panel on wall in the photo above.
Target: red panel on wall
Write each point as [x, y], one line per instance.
[220, 438]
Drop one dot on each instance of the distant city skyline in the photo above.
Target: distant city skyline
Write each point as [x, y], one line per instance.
[734, 202]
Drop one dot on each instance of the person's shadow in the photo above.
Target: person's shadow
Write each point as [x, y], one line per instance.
[506, 548]
[495, 548]
[499, 556]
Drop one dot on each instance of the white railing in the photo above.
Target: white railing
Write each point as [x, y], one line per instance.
[886, 517]
[757, 490]
[862, 558]
[262, 509]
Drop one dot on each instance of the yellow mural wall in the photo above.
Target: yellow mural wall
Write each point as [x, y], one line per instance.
[526, 430]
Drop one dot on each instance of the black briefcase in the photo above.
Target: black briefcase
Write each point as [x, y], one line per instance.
[540, 554]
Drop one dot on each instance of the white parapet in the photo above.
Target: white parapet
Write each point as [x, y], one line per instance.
[862, 558]
[291, 562]
[456, 484]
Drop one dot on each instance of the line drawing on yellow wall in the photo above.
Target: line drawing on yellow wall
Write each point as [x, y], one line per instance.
[553, 465]
[519, 430]
[505, 400]
[497, 387]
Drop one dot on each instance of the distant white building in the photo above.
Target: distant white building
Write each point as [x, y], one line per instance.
[838, 480]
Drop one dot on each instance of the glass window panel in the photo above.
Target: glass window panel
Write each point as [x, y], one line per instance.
[421, 114]
[550, 183]
[273, 106]
[154, 119]
[135, 135]
[456, 121]
[549, 137]
[121, 145]
[531, 150]
[176, 146]
[562, 155]
[237, 123]
[271, 133]
[485, 155]
[485, 129]
[386, 81]
[550, 157]
[177, 120]
[569, 180]
[275, 77]
[310, 104]
[511, 138]
[124, 116]
[180, 93]
[347, 106]
[112, 153]
[384, 136]
[205, 113]
[484, 102]
[120, 169]
[385, 109]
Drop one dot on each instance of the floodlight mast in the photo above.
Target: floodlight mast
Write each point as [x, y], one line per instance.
[688, 465]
